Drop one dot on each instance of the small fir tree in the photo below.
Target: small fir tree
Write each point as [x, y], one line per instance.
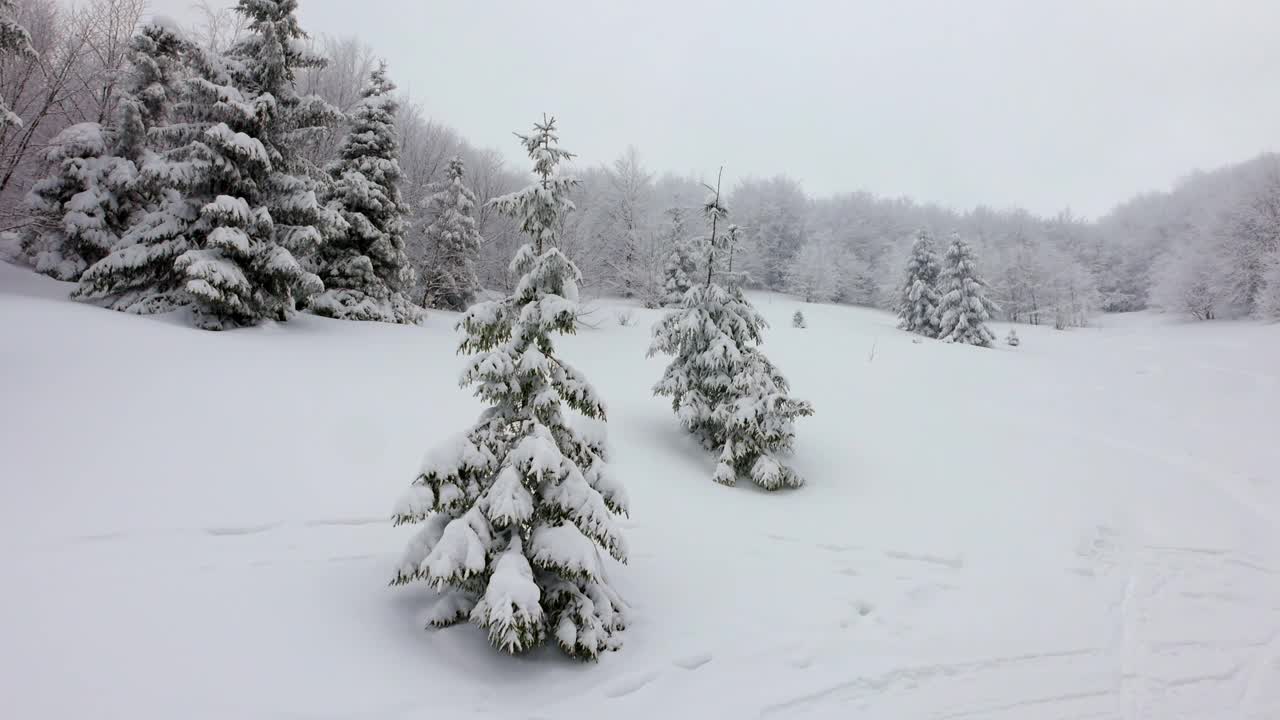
[453, 243]
[364, 267]
[1012, 338]
[797, 320]
[516, 510]
[722, 387]
[963, 309]
[682, 264]
[919, 297]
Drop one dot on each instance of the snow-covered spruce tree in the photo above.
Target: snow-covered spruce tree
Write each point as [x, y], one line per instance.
[365, 270]
[149, 89]
[14, 40]
[722, 387]
[918, 299]
[963, 309]
[239, 208]
[453, 243]
[682, 266]
[1012, 338]
[514, 509]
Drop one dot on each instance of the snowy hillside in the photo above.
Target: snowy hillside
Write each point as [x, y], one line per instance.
[1086, 526]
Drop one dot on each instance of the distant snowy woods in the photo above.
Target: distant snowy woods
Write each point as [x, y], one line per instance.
[1209, 248]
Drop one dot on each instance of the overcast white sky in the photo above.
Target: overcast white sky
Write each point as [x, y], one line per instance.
[1036, 103]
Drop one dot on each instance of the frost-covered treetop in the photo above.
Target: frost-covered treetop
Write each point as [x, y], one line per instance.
[538, 207]
[14, 39]
[274, 42]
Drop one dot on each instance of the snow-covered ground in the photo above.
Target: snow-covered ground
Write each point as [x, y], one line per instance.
[1088, 526]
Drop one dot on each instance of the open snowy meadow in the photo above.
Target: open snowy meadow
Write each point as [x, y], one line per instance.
[196, 525]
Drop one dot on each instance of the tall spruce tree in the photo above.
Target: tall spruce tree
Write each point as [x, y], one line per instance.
[239, 207]
[963, 309]
[365, 270]
[514, 509]
[682, 264]
[722, 387]
[14, 40]
[919, 296]
[453, 243]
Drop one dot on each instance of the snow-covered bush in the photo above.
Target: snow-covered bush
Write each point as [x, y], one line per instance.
[1012, 338]
[515, 511]
[81, 209]
[797, 320]
[626, 318]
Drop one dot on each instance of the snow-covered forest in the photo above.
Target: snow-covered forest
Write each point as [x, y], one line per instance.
[314, 406]
[1207, 248]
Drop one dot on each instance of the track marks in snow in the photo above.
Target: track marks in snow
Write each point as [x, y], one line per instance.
[237, 530]
[996, 670]
[638, 681]
[347, 521]
[692, 662]
[631, 684]
[955, 562]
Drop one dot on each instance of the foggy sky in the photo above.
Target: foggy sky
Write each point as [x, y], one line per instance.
[1033, 103]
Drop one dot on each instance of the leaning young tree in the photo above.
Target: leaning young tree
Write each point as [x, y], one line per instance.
[453, 243]
[722, 387]
[963, 309]
[364, 267]
[516, 509]
[918, 297]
